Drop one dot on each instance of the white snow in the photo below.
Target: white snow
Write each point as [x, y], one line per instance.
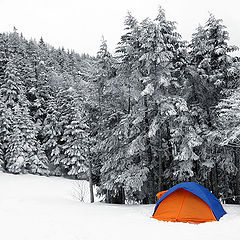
[149, 90]
[44, 208]
[20, 160]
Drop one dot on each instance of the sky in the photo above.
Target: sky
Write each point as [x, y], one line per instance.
[80, 24]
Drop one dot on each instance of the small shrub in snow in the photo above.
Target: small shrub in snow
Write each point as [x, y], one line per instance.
[80, 191]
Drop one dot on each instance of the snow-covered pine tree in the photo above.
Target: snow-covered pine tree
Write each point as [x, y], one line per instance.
[74, 147]
[20, 137]
[94, 82]
[65, 132]
[5, 129]
[113, 147]
[225, 139]
[210, 56]
[159, 60]
[3, 125]
[149, 56]
[37, 76]
[211, 75]
[51, 134]
[24, 153]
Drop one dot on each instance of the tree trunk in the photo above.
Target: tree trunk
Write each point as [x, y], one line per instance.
[160, 170]
[107, 200]
[170, 153]
[215, 181]
[149, 153]
[237, 163]
[90, 181]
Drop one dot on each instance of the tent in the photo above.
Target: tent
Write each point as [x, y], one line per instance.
[188, 202]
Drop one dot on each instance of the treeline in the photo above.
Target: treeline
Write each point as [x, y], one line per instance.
[157, 112]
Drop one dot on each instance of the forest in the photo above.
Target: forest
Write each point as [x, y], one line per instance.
[158, 111]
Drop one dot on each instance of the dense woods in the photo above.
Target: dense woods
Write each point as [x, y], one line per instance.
[156, 112]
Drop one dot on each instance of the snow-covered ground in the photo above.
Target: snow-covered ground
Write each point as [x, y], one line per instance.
[41, 208]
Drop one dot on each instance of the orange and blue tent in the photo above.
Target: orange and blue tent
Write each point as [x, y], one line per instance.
[188, 202]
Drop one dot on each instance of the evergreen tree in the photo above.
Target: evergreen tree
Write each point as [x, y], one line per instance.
[149, 59]
[51, 134]
[211, 76]
[74, 138]
[19, 137]
[210, 56]
[225, 138]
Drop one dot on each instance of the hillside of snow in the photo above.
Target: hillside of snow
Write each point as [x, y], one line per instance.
[48, 208]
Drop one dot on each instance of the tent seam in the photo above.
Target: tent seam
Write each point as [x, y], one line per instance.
[180, 209]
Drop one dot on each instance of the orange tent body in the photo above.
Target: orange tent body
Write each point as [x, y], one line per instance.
[183, 206]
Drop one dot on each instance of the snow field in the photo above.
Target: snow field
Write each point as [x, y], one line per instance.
[47, 208]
